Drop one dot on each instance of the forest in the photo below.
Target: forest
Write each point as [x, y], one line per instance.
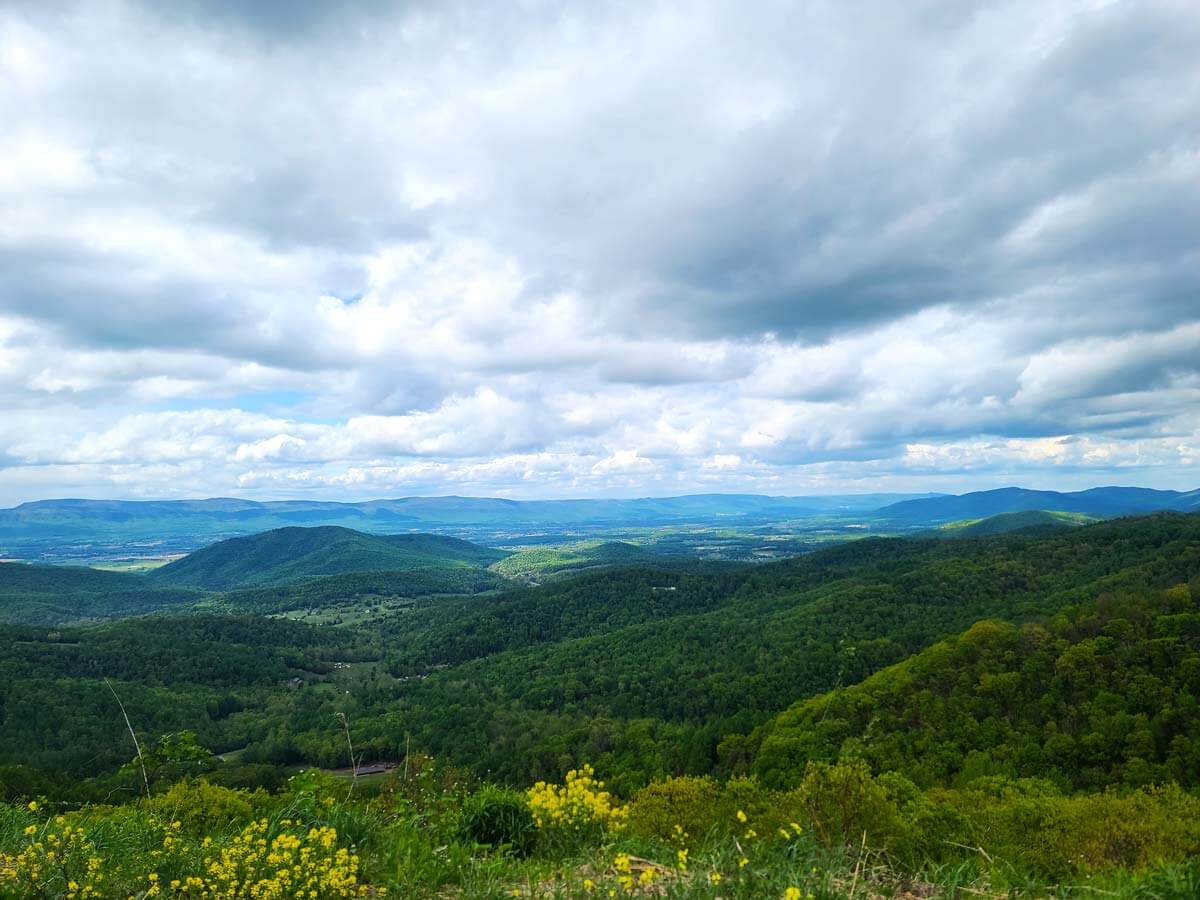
[897, 699]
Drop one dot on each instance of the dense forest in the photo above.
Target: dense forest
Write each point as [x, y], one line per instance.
[1101, 694]
[645, 671]
[50, 595]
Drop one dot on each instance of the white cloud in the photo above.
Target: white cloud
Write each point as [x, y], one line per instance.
[590, 249]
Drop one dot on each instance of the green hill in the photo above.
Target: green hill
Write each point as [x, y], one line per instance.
[54, 595]
[1099, 694]
[1003, 523]
[290, 554]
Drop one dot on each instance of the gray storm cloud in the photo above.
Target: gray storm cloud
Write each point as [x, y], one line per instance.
[551, 249]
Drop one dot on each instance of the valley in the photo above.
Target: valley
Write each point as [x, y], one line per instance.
[1053, 648]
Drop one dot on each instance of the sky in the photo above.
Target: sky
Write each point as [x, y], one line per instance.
[533, 249]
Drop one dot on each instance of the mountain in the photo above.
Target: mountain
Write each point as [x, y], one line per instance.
[170, 521]
[54, 595]
[1004, 523]
[1102, 694]
[290, 554]
[1102, 502]
[1189, 502]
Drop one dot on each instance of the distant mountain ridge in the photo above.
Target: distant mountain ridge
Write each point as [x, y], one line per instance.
[178, 525]
[154, 521]
[291, 554]
[1101, 502]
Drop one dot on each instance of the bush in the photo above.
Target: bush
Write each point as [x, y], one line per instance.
[1107, 831]
[206, 807]
[687, 801]
[499, 818]
[844, 802]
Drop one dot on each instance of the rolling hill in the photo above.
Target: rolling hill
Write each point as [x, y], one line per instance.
[1004, 523]
[291, 554]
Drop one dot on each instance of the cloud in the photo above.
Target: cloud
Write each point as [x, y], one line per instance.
[584, 248]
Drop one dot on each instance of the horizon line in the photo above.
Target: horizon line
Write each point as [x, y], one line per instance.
[585, 499]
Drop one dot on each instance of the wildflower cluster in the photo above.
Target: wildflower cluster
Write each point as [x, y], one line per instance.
[293, 863]
[580, 804]
[58, 859]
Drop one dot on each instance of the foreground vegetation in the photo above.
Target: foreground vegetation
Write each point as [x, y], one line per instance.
[431, 831]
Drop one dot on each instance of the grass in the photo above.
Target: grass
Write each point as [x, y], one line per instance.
[407, 838]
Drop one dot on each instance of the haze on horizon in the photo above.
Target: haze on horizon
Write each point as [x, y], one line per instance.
[539, 250]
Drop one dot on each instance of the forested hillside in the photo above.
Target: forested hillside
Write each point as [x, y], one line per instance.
[1003, 523]
[51, 595]
[643, 671]
[289, 554]
[668, 694]
[356, 590]
[1100, 694]
[229, 679]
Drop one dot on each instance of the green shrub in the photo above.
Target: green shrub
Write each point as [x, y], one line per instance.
[846, 805]
[1106, 831]
[499, 818]
[205, 807]
[689, 802]
[759, 804]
